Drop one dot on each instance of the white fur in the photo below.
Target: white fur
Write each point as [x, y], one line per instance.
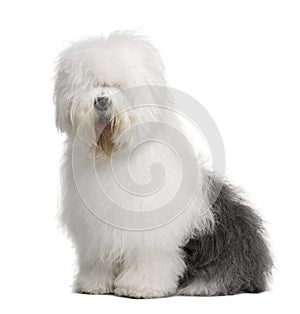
[113, 260]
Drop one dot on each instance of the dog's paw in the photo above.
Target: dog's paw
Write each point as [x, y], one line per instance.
[92, 291]
[140, 293]
[94, 281]
[92, 287]
[85, 289]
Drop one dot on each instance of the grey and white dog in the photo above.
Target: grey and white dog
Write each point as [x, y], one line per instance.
[216, 246]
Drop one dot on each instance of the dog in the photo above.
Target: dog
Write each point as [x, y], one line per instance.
[128, 242]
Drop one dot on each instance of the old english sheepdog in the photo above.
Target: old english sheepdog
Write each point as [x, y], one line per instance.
[146, 217]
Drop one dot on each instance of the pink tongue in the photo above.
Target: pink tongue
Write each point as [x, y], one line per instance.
[102, 125]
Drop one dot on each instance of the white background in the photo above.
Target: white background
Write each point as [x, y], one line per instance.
[240, 59]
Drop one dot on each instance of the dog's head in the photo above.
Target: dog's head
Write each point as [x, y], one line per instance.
[93, 93]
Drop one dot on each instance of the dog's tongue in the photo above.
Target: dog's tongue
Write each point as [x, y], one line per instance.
[102, 124]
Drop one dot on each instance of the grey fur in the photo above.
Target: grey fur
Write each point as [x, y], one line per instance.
[234, 257]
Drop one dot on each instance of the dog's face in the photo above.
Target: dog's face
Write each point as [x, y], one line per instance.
[92, 91]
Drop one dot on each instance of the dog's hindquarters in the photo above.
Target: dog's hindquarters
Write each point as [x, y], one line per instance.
[234, 257]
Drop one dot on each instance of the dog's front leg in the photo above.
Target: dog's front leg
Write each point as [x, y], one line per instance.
[150, 273]
[94, 278]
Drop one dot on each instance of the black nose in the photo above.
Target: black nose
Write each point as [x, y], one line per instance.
[101, 103]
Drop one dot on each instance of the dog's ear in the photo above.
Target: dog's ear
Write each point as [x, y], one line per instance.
[62, 102]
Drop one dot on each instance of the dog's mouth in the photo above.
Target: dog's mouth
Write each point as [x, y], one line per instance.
[103, 123]
[104, 130]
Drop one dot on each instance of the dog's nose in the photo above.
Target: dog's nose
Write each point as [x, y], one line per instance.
[101, 103]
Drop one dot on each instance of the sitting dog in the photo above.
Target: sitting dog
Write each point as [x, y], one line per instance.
[137, 232]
